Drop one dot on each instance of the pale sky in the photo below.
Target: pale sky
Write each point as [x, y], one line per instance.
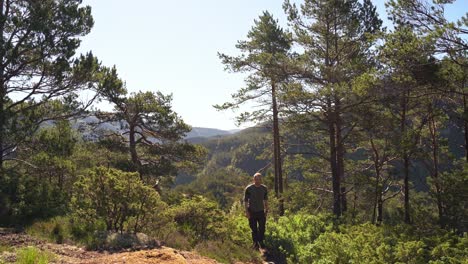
[171, 46]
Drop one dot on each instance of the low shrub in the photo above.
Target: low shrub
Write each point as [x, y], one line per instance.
[289, 237]
[199, 219]
[227, 252]
[64, 229]
[56, 230]
[315, 239]
[32, 255]
[175, 239]
[119, 199]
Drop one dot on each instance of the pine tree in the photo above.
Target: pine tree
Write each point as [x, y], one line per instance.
[38, 41]
[153, 132]
[265, 57]
[337, 48]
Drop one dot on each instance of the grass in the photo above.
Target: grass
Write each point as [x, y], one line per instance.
[64, 229]
[4, 248]
[54, 230]
[32, 255]
[227, 252]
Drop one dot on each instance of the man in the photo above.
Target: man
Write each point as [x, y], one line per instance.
[256, 209]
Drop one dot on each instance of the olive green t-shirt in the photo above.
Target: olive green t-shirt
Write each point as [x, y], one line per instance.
[255, 196]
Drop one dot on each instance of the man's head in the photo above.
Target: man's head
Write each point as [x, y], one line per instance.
[257, 179]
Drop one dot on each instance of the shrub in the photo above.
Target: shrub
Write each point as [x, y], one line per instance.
[313, 239]
[289, 237]
[55, 230]
[199, 219]
[454, 189]
[118, 198]
[176, 239]
[352, 244]
[227, 252]
[32, 255]
[65, 228]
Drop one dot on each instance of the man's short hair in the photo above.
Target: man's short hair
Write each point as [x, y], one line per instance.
[257, 174]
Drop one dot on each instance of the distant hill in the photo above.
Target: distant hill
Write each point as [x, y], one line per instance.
[203, 132]
[91, 128]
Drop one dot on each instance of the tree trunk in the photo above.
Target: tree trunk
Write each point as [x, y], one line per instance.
[406, 191]
[435, 173]
[133, 152]
[378, 192]
[277, 151]
[465, 125]
[333, 163]
[380, 209]
[340, 156]
[3, 17]
[404, 106]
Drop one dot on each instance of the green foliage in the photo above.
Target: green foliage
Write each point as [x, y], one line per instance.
[27, 197]
[375, 101]
[153, 133]
[227, 252]
[314, 239]
[289, 237]
[224, 186]
[232, 242]
[454, 188]
[120, 199]
[66, 229]
[264, 56]
[32, 255]
[242, 150]
[307, 190]
[39, 186]
[200, 219]
[87, 233]
[34, 81]
[56, 230]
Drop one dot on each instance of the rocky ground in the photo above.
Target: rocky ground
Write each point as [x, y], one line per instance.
[72, 254]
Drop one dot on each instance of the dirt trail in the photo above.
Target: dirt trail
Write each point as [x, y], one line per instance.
[73, 254]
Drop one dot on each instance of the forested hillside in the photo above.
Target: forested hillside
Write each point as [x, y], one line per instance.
[361, 138]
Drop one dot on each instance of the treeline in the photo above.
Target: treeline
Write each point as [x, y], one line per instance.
[372, 111]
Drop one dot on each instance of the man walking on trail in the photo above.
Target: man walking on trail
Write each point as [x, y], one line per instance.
[256, 209]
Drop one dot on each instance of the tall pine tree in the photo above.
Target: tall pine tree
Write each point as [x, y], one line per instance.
[335, 36]
[264, 56]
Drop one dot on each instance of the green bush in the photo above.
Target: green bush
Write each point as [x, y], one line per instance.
[454, 190]
[56, 230]
[119, 199]
[289, 237]
[199, 219]
[314, 239]
[32, 255]
[450, 249]
[87, 232]
[65, 228]
[25, 197]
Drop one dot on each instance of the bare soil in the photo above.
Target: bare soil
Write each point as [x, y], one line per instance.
[72, 254]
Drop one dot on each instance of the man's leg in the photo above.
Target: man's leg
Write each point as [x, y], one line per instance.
[261, 229]
[253, 227]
